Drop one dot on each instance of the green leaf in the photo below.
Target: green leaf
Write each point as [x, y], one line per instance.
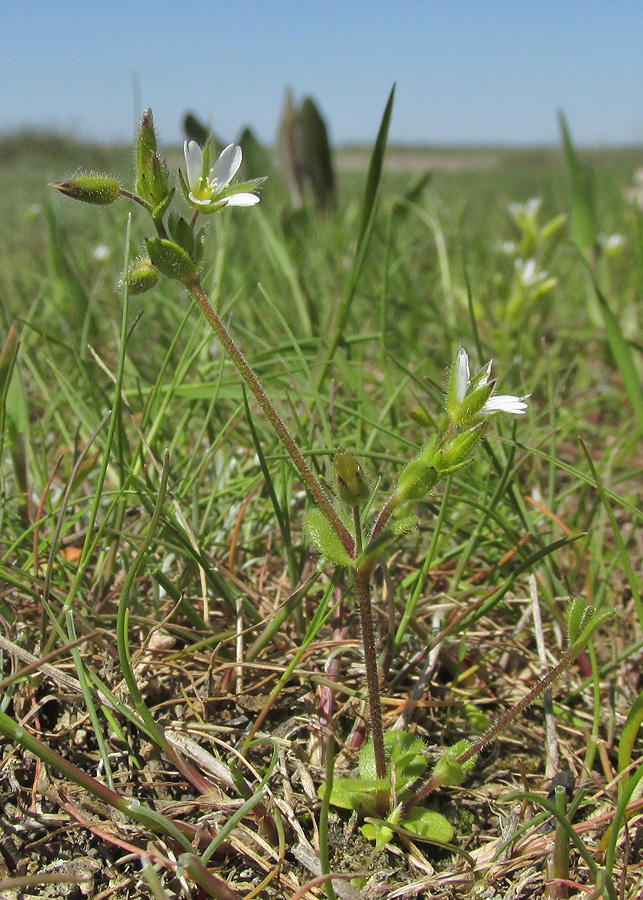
[577, 611]
[405, 750]
[448, 771]
[366, 222]
[356, 793]
[429, 824]
[325, 538]
[582, 220]
[622, 353]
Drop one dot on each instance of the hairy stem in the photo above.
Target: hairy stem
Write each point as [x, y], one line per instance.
[307, 476]
[370, 658]
[570, 654]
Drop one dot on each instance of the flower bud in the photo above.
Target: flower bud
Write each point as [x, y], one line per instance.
[350, 479]
[170, 259]
[142, 276]
[420, 476]
[152, 183]
[98, 189]
[460, 447]
[419, 415]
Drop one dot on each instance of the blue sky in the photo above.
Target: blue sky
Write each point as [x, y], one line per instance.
[467, 71]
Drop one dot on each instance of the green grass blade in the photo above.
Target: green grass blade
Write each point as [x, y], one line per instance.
[622, 354]
[369, 202]
[583, 220]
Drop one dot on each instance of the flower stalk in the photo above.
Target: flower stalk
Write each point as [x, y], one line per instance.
[310, 481]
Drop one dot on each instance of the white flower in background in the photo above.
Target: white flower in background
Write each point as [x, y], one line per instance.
[527, 272]
[612, 244]
[470, 399]
[101, 252]
[635, 194]
[508, 247]
[209, 190]
[526, 212]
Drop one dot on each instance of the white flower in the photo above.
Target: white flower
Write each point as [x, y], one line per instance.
[461, 374]
[525, 212]
[528, 273]
[101, 252]
[612, 244]
[508, 247]
[209, 189]
[470, 399]
[505, 403]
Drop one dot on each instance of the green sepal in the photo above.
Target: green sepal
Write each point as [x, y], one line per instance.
[550, 228]
[170, 259]
[142, 276]
[182, 232]
[451, 469]
[591, 621]
[420, 415]
[161, 208]
[471, 407]
[325, 538]
[458, 451]
[101, 190]
[419, 476]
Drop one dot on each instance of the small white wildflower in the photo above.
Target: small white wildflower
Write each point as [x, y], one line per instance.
[470, 399]
[101, 252]
[612, 244]
[532, 206]
[508, 247]
[525, 212]
[209, 189]
[528, 273]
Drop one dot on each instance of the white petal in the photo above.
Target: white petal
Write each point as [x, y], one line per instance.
[198, 202]
[529, 272]
[193, 163]
[505, 403]
[462, 374]
[485, 374]
[227, 165]
[532, 206]
[242, 200]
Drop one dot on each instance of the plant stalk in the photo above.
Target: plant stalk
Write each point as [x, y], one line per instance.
[309, 479]
[370, 659]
